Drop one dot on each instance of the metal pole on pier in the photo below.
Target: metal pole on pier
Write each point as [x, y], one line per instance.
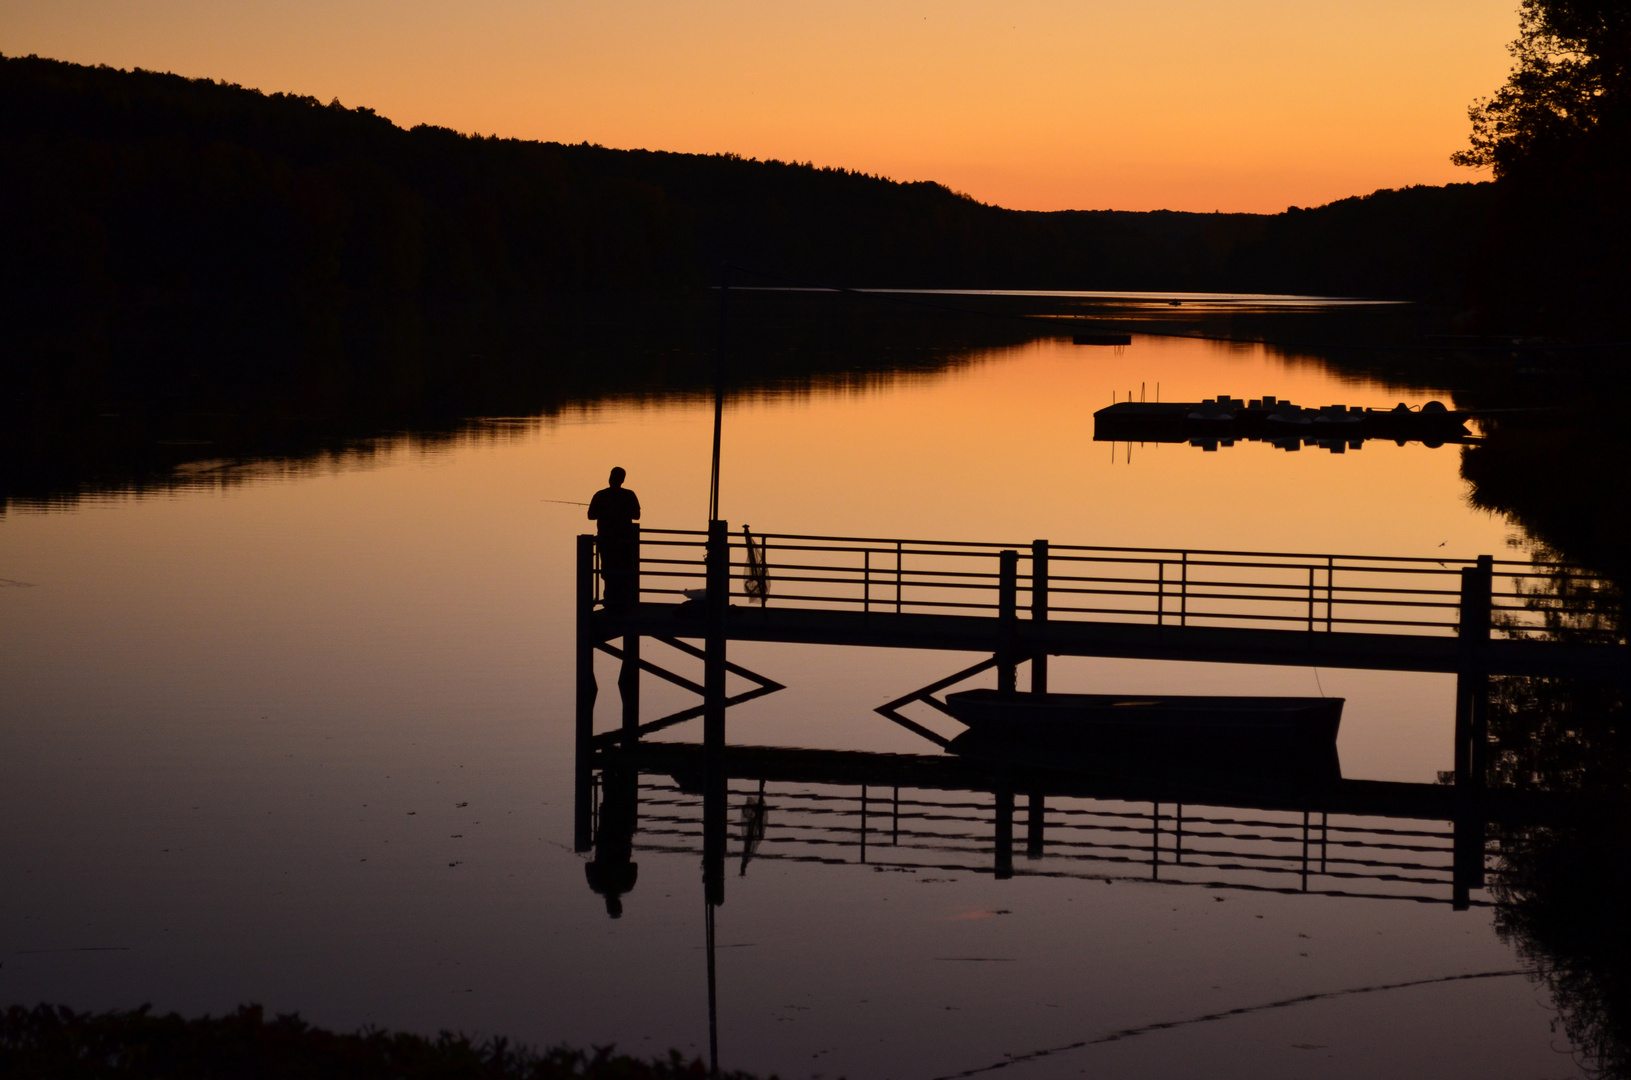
[719, 394]
[713, 995]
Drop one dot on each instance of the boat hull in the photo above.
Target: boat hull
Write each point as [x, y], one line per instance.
[1231, 734]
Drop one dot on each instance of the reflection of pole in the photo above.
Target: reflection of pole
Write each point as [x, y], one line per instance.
[713, 717]
[1005, 832]
[586, 691]
[1467, 847]
[713, 1001]
[714, 803]
[1036, 823]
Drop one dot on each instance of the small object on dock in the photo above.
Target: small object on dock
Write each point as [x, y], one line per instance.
[1102, 339]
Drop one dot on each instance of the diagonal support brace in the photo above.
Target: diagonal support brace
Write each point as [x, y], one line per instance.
[926, 695]
[762, 687]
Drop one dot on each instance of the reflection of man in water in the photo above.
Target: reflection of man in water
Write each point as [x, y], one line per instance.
[612, 873]
[614, 510]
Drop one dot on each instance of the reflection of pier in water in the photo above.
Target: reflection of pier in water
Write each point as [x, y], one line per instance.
[1285, 830]
[1473, 618]
[917, 813]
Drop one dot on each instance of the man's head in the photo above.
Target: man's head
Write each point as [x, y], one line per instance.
[617, 476]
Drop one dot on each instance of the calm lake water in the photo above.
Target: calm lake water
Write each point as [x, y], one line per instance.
[303, 736]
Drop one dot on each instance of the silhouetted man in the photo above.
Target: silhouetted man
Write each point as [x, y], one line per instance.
[614, 510]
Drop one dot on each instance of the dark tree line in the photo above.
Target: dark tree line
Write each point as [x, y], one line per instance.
[166, 230]
[1558, 136]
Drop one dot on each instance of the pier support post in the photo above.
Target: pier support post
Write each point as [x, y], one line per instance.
[713, 716]
[1472, 731]
[1039, 612]
[628, 679]
[583, 809]
[1467, 847]
[1035, 823]
[1008, 618]
[628, 685]
[1472, 681]
[718, 601]
[1005, 833]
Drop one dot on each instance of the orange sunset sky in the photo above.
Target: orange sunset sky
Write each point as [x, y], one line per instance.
[1034, 104]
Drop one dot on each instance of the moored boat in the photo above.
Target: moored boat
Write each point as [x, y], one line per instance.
[1231, 733]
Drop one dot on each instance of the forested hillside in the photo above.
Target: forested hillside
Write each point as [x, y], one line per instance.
[149, 215]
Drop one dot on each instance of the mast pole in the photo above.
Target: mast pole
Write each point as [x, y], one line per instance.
[719, 393]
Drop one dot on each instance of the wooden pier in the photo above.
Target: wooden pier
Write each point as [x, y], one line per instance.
[1016, 605]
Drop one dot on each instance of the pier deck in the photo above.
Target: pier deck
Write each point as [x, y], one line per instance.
[1207, 644]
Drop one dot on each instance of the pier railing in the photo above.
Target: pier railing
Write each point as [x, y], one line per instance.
[1315, 593]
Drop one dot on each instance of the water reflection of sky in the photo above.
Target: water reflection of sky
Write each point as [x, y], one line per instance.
[305, 740]
[1197, 301]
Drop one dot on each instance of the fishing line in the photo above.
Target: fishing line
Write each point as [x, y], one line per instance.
[1319, 684]
[1127, 1033]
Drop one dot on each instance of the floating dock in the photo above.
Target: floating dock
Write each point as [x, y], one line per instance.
[1224, 420]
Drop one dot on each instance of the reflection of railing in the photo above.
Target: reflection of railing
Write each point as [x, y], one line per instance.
[909, 830]
[1158, 586]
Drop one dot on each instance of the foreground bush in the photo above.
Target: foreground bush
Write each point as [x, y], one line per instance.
[56, 1042]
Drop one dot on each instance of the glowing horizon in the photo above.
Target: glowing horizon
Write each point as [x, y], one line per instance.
[1250, 105]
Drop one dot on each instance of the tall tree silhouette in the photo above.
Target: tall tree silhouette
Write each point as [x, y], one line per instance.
[1567, 94]
[1558, 136]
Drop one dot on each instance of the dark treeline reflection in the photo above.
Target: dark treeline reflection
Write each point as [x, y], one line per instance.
[1555, 459]
[80, 433]
[68, 430]
[1562, 887]
[1561, 893]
